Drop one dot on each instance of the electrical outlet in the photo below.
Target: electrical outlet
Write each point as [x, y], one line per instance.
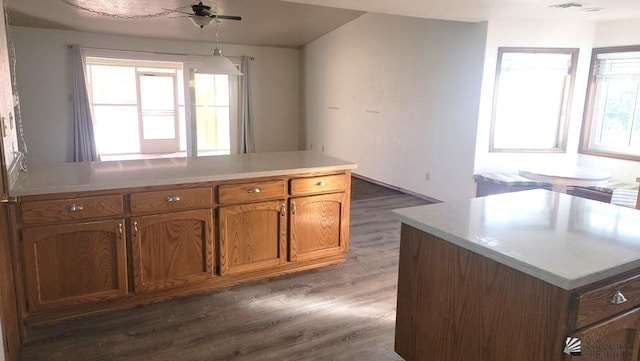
[323, 149]
[426, 176]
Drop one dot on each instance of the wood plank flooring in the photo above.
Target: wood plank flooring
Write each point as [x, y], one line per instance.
[343, 312]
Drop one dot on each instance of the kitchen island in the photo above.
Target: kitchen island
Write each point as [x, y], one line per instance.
[532, 275]
[99, 236]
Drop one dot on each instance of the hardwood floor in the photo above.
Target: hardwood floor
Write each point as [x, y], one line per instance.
[343, 312]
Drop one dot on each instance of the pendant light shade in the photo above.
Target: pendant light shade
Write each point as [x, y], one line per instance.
[218, 64]
[200, 21]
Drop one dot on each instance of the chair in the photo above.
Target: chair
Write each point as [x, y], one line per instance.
[625, 198]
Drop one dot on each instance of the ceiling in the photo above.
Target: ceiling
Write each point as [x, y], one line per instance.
[481, 10]
[289, 23]
[264, 22]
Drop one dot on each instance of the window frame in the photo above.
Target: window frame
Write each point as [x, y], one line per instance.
[589, 107]
[565, 113]
[188, 63]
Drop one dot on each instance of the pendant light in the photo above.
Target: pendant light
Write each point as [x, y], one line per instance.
[218, 64]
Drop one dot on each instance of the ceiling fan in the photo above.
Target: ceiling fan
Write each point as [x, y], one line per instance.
[202, 15]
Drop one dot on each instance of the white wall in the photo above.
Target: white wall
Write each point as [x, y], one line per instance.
[615, 33]
[43, 73]
[554, 34]
[399, 96]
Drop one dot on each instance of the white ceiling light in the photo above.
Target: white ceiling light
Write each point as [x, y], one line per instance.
[218, 64]
[200, 21]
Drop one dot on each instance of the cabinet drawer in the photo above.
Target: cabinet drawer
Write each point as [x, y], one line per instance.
[329, 183]
[174, 199]
[251, 192]
[71, 209]
[598, 304]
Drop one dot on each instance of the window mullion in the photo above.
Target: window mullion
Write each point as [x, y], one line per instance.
[633, 115]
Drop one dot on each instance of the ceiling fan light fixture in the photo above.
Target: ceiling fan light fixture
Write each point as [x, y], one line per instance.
[200, 21]
[218, 64]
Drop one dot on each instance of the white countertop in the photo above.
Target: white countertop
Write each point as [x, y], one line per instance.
[564, 240]
[49, 178]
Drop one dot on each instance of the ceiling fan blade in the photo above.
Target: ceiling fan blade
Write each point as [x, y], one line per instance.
[225, 17]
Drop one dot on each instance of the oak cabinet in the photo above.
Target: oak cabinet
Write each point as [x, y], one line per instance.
[617, 338]
[74, 263]
[172, 249]
[252, 236]
[455, 304]
[106, 250]
[316, 226]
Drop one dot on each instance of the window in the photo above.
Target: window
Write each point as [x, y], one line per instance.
[140, 109]
[138, 106]
[532, 93]
[611, 125]
[212, 104]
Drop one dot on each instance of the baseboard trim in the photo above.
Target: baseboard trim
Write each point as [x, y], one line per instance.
[399, 189]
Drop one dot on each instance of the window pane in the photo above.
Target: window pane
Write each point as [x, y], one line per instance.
[158, 126]
[222, 89]
[618, 109]
[612, 128]
[116, 129]
[157, 105]
[212, 114]
[113, 85]
[530, 100]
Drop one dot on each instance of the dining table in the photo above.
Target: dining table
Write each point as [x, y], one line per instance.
[560, 177]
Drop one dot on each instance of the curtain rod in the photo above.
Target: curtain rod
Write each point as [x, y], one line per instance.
[160, 53]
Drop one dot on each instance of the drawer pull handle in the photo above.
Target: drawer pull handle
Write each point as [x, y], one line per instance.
[172, 199]
[293, 208]
[253, 190]
[135, 229]
[76, 208]
[321, 184]
[120, 231]
[283, 210]
[618, 298]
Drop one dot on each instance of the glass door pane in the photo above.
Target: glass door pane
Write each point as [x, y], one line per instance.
[158, 113]
[211, 104]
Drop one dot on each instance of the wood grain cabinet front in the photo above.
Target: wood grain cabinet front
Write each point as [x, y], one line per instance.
[317, 226]
[252, 236]
[72, 209]
[617, 338]
[72, 264]
[172, 249]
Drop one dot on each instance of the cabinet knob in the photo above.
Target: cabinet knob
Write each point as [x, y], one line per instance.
[76, 208]
[253, 190]
[321, 184]
[172, 199]
[618, 298]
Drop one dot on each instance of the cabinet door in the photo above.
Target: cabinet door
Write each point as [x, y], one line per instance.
[317, 227]
[252, 236]
[75, 263]
[172, 249]
[617, 338]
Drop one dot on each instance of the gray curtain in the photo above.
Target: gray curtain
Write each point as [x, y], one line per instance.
[84, 142]
[246, 113]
